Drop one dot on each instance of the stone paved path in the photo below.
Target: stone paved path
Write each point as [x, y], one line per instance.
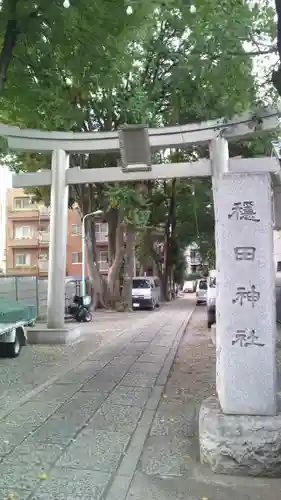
[38, 365]
[82, 436]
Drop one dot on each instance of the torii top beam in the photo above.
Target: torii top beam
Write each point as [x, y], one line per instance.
[180, 136]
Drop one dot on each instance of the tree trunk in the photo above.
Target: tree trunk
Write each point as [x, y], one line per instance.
[11, 35]
[105, 290]
[129, 266]
[114, 269]
[169, 240]
[96, 279]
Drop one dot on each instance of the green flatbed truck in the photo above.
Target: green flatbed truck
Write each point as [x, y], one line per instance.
[15, 317]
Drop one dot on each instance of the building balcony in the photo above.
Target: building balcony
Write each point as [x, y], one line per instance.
[29, 214]
[29, 270]
[33, 242]
[22, 270]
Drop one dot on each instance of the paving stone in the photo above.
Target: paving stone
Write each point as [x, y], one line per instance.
[134, 450]
[100, 383]
[82, 403]
[34, 454]
[142, 375]
[135, 348]
[157, 350]
[114, 371]
[119, 488]
[174, 419]
[164, 341]
[34, 412]
[154, 397]
[14, 494]
[129, 396]
[139, 380]
[58, 393]
[70, 484]
[124, 359]
[82, 373]
[24, 477]
[12, 435]
[59, 429]
[105, 355]
[95, 450]
[150, 368]
[152, 358]
[166, 456]
[115, 418]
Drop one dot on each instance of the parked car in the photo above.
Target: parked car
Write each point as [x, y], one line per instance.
[189, 287]
[146, 292]
[201, 291]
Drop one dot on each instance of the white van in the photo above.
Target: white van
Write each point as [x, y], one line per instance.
[201, 291]
[211, 298]
[146, 292]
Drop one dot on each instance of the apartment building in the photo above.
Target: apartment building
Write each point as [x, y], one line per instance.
[193, 259]
[74, 244]
[28, 237]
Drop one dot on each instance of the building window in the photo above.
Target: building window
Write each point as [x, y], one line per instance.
[101, 231]
[24, 232]
[103, 261]
[279, 267]
[76, 257]
[23, 259]
[22, 204]
[76, 229]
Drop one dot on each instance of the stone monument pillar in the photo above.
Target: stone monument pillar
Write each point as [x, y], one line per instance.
[240, 430]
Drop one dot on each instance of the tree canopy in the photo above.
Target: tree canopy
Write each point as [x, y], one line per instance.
[93, 67]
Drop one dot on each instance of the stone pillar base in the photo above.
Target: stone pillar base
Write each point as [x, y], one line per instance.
[239, 444]
[49, 336]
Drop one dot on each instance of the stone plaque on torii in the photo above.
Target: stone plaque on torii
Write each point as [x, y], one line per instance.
[239, 431]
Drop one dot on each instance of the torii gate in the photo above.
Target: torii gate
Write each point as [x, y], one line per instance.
[230, 440]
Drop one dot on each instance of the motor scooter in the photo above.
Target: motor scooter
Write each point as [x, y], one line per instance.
[79, 309]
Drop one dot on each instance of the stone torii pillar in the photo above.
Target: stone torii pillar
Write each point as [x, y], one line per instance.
[240, 429]
[58, 241]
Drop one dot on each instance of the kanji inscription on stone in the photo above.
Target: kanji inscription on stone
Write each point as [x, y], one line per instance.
[243, 295]
[245, 253]
[244, 210]
[246, 338]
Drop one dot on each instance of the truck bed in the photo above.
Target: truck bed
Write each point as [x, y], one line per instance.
[14, 312]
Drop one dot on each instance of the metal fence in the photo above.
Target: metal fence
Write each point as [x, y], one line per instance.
[33, 290]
